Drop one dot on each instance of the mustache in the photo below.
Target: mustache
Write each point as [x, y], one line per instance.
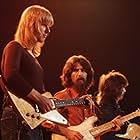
[81, 78]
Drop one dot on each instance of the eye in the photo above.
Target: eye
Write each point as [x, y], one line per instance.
[75, 70]
[83, 70]
[45, 28]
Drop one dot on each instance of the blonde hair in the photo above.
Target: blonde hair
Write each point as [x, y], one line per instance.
[27, 29]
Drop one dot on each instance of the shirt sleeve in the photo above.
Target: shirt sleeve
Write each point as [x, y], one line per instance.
[11, 63]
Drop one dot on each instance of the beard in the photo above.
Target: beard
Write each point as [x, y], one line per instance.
[80, 85]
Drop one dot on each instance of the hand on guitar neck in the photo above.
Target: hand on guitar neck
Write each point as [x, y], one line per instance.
[43, 102]
[116, 125]
[46, 101]
[33, 117]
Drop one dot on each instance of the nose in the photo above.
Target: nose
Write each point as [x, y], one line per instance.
[79, 72]
[47, 30]
[123, 91]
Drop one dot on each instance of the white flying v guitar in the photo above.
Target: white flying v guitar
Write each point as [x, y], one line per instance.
[34, 118]
[30, 113]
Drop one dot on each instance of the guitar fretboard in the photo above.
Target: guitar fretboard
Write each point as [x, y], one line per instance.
[129, 116]
[69, 102]
[107, 126]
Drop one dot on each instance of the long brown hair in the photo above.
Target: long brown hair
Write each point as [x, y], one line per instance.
[108, 83]
[69, 67]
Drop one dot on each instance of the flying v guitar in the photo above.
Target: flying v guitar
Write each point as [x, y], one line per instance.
[31, 115]
[33, 118]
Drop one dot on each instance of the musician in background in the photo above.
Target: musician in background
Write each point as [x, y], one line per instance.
[111, 90]
[21, 72]
[77, 78]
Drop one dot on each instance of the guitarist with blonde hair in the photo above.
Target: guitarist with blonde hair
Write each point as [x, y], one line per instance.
[21, 72]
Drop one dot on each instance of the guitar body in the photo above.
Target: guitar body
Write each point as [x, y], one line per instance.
[27, 111]
[83, 128]
[90, 132]
[32, 117]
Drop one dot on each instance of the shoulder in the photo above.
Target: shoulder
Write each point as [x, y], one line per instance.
[61, 94]
[13, 48]
[13, 45]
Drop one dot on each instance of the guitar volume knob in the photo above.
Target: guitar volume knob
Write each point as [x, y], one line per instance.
[27, 114]
[38, 117]
[33, 116]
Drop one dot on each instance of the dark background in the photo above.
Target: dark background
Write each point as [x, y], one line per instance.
[107, 32]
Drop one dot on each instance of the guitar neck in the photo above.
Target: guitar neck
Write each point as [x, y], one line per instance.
[129, 117]
[69, 102]
[107, 126]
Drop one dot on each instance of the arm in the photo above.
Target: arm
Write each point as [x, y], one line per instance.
[43, 102]
[116, 125]
[62, 130]
[107, 113]
[22, 75]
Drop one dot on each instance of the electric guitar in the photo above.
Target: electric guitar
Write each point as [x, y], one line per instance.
[33, 117]
[30, 113]
[90, 132]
